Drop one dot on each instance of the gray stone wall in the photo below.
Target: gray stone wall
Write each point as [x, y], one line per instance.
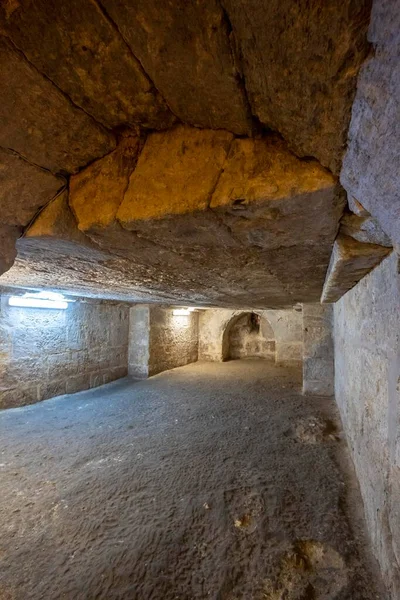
[287, 326]
[160, 340]
[245, 340]
[45, 353]
[318, 357]
[367, 387]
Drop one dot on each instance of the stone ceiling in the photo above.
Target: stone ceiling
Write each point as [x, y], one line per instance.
[185, 151]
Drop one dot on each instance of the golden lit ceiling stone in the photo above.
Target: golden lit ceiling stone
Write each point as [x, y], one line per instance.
[300, 62]
[185, 48]
[97, 191]
[77, 47]
[38, 122]
[269, 198]
[179, 217]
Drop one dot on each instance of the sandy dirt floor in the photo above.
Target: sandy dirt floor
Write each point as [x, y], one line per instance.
[211, 481]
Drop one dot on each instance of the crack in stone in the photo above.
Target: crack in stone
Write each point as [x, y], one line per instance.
[61, 91]
[42, 208]
[236, 61]
[11, 151]
[114, 25]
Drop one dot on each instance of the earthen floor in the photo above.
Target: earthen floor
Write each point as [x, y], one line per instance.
[215, 481]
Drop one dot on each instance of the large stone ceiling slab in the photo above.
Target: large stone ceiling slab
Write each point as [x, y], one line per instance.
[77, 47]
[300, 61]
[195, 215]
[180, 150]
[186, 50]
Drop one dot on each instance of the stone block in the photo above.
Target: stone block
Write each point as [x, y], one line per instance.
[60, 365]
[20, 396]
[24, 188]
[318, 388]
[78, 383]
[185, 47]
[351, 260]
[80, 50]
[33, 100]
[50, 389]
[38, 341]
[307, 99]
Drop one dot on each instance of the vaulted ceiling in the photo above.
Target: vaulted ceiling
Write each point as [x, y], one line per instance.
[186, 151]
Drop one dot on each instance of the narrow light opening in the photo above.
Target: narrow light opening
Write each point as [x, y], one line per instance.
[181, 312]
[39, 300]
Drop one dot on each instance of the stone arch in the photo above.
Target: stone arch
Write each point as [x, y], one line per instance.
[257, 343]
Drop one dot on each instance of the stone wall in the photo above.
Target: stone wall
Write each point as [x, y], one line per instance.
[318, 357]
[367, 387]
[249, 339]
[45, 353]
[160, 340]
[173, 339]
[287, 326]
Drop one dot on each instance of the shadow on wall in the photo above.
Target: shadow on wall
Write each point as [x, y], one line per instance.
[248, 335]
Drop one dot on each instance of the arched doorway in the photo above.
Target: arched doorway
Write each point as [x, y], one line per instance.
[248, 335]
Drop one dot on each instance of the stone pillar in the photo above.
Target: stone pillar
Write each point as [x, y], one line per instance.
[139, 342]
[318, 355]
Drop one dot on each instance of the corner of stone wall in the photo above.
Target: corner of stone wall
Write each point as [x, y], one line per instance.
[318, 353]
[160, 340]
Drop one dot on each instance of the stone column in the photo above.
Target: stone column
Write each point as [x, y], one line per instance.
[318, 355]
[139, 337]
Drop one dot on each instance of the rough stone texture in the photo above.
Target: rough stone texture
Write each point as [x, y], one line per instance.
[45, 353]
[318, 356]
[76, 47]
[185, 48]
[287, 327]
[97, 191]
[24, 188]
[364, 229]
[226, 222]
[351, 260]
[139, 342]
[371, 168]
[197, 483]
[160, 340]
[367, 368]
[188, 163]
[300, 62]
[173, 339]
[56, 225]
[248, 339]
[40, 123]
[8, 252]
[265, 194]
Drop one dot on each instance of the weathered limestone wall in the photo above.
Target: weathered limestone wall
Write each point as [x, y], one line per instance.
[246, 339]
[46, 353]
[160, 340]
[318, 357]
[367, 387]
[287, 326]
[173, 339]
